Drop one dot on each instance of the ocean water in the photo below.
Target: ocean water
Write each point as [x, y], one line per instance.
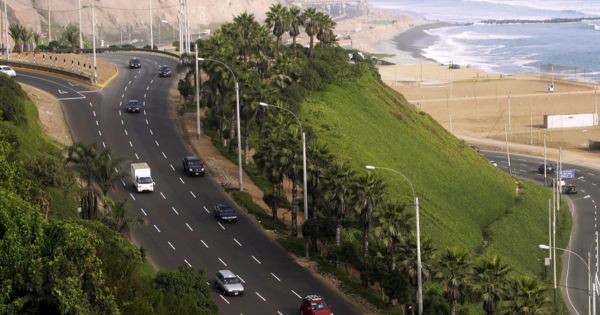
[573, 48]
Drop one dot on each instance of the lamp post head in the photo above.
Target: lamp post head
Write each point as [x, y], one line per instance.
[263, 104]
[544, 246]
[369, 167]
[200, 59]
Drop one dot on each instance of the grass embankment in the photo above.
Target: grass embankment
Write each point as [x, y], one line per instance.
[464, 200]
[34, 144]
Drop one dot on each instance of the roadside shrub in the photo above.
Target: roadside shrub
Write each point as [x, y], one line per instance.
[148, 47]
[127, 46]
[12, 103]
[311, 80]
[295, 95]
[245, 201]
[324, 69]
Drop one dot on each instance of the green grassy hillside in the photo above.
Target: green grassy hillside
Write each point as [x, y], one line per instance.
[460, 193]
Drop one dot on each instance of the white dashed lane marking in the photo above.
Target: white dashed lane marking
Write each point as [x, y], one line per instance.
[104, 145]
[206, 209]
[181, 180]
[187, 263]
[164, 155]
[163, 195]
[173, 247]
[204, 243]
[144, 212]
[272, 275]
[130, 194]
[189, 227]
[192, 194]
[136, 156]
[172, 167]
[222, 261]
[256, 260]
[224, 299]
[175, 210]
[261, 297]
[221, 225]
[296, 294]
[156, 228]
[237, 242]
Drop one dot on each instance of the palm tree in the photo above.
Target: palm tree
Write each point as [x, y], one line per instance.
[267, 161]
[392, 219]
[118, 220]
[25, 37]
[187, 66]
[291, 162]
[284, 71]
[318, 159]
[262, 49]
[248, 29]
[277, 18]
[15, 30]
[408, 258]
[71, 36]
[337, 185]
[489, 281]
[367, 195]
[325, 28]
[295, 21]
[36, 40]
[310, 23]
[454, 266]
[81, 157]
[105, 174]
[528, 296]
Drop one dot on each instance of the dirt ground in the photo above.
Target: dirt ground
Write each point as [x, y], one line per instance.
[63, 62]
[478, 106]
[50, 115]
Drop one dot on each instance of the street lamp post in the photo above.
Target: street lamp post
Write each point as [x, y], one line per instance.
[420, 284]
[237, 104]
[305, 189]
[151, 36]
[93, 41]
[197, 91]
[593, 287]
[80, 28]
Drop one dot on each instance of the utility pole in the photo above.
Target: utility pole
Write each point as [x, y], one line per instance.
[6, 31]
[121, 29]
[80, 27]
[94, 41]
[180, 35]
[530, 126]
[129, 34]
[545, 167]
[509, 113]
[596, 101]
[554, 244]
[151, 38]
[49, 23]
[507, 151]
[187, 20]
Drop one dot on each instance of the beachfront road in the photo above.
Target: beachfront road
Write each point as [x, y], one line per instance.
[574, 281]
[181, 228]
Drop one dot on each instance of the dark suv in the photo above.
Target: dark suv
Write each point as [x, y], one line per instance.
[549, 169]
[571, 189]
[164, 71]
[135, 63]
[193, 166]
[225, 213]
[133, 106]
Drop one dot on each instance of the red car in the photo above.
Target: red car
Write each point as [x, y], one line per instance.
[314, 305]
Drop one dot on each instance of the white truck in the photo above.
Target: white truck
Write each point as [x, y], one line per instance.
[140, 172]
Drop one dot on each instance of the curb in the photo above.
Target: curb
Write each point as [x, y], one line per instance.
[52, 73]
[109, 79]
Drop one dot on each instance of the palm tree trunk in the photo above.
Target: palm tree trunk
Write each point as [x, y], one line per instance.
[275, 205]
[232, 130]
[393, 254]
[260, 128]
[338, 232]
[311, 46]
[294, 207]
[452, 307]
[222, 130]
[247, 142]
[294, 43]
[277, 50]
[314, 238]
[366, 240]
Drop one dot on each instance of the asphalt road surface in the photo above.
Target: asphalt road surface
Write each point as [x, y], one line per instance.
[182, 228]
[585, 222]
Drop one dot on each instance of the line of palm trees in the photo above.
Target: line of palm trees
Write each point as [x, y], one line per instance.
[23, 37]
[98, 175]
[338, 195]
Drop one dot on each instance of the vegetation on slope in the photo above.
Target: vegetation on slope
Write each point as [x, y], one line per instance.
[52, 261]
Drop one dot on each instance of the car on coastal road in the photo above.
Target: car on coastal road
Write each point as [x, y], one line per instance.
[133, 106]
[164, 71]
[192, 165]
[314, 305]
[476, 148]
[549, 169]
[135, 64]
[228, 283]
[8, 70]
[225, 213]
[571, 189]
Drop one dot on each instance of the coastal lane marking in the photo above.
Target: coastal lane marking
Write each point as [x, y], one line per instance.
[222, 261]
[175, 210]
[189, 227]
[144, 212]
[237, 242]
[260, 296]
[298, 295]
[256, 260]
[204, 243]
[221, 225]
[188, 263]
[156, 228]
[173, 247]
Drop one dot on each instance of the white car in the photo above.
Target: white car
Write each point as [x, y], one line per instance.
[494, 163]
[8, 70]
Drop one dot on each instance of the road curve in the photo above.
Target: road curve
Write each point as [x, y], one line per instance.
[585, 222]
[181, 227]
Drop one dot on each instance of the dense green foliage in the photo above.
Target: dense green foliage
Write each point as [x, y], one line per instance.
[51, 261]
[364, 219]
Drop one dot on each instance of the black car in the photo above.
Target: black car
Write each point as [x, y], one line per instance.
[570, 189]
[133, 106]
[164, 71]
[454, 66]
[192, 165]
[549, 169]
[476, 148]
[225, 213]
[135, 63]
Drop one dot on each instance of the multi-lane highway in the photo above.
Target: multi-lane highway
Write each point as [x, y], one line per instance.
[585, 222]
[181, 228]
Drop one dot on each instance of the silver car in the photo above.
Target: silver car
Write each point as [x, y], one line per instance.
[228, 283]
